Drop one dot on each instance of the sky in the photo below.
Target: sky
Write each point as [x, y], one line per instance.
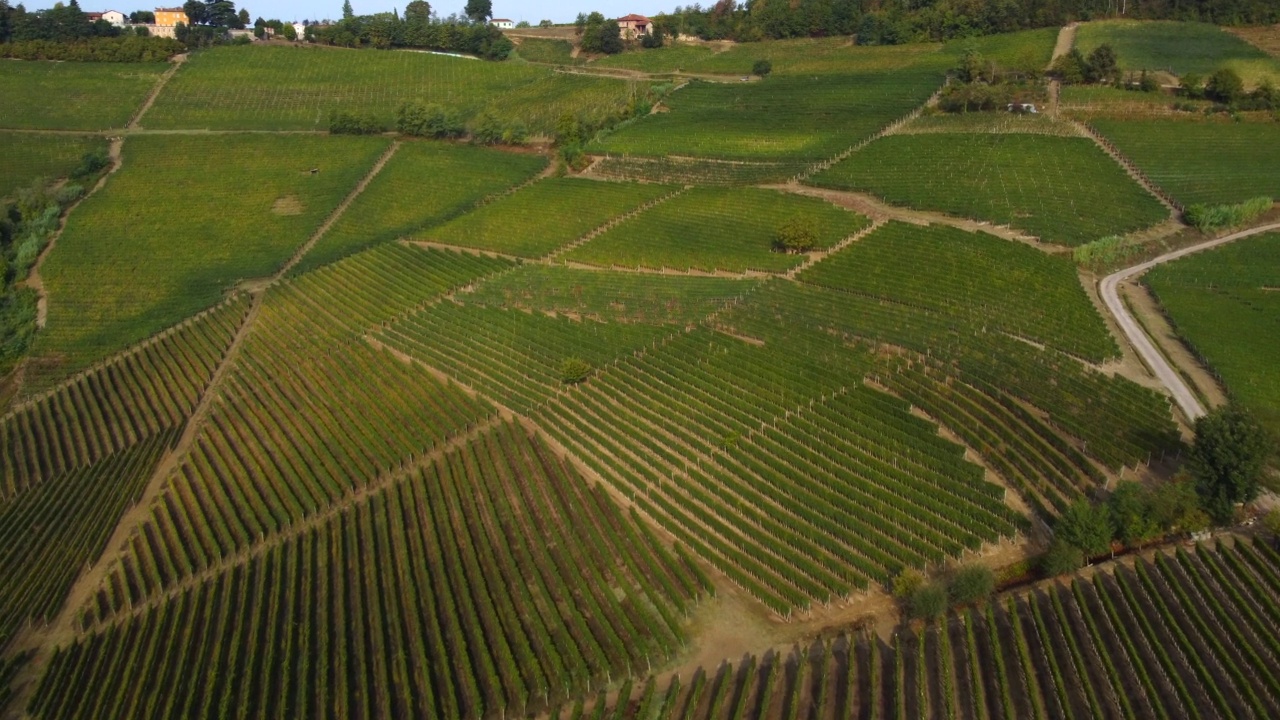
[559, 11]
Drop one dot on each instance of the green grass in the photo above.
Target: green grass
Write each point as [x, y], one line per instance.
[1197, 161]
[544, 216]
[30, 157]
[989, 122]
[165, 238]
[1063, 190]
[1177, 47]
[979, 277]
[1025, 50]
[295, 88]
[547, 50]
[423, 184]
[1226, 304]
[791, 118]
[73, 96]
[609, 296]
[711, 229]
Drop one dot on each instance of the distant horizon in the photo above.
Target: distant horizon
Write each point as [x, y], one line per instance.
[292, 11]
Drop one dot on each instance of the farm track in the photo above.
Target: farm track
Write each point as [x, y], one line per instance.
[155, 91]
[1137, 336]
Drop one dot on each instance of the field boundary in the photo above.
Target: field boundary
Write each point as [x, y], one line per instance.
[174, 65]
[612, 223]
[1175, 208]
[1137, 336]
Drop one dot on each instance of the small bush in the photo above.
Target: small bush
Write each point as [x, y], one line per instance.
[92, 162]
[351, 123]
[907, 583]
[799, 235]
[1061, 559]
[574, 370]
[928, 602]
[971, 584]
[422, 120]
[761, 68]
[1208, 218]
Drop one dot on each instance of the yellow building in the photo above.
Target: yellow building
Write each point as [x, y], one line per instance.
[168, 17]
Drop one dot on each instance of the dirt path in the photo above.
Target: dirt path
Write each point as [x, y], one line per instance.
[879, 210]
[175, 63]
[818, 256]
[1137, 336]
[34, 281]
[1066, 41]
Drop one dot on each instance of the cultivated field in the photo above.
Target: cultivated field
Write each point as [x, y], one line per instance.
[1225, 304]
[28, 158]
[164, 240]
[293, 88]
[711, 229]
[547, 215]
[377, 427]
[1202, 161]
[1178, 48]
[73, 96]
[1060, 189]
[547, 50]
[422, 185]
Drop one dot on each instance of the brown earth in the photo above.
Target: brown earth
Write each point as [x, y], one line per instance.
[1266, 37]
[287, 205]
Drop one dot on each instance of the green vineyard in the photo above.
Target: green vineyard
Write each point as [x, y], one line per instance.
[1188, 635]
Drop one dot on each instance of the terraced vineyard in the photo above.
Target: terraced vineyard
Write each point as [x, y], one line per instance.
[384, 427]
[1161, 639]
[713, 229]
[1225, 305]
[546, 216]
[1060, 189]
[1201, 162]
[426, 599]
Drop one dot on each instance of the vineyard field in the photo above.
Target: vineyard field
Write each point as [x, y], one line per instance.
[1060, 189]
[423, 184]
[165, 240]
[710, 229]
[1205, 162]
[799, 117]
[949, 270]
[1224, 303]
[291, 88]
[610, 296]
[800, 56]
[547, 50]
[546, 215]
[28, 158]
[41, 95]
[1178, 48]
[1156, 640]
[484, 622]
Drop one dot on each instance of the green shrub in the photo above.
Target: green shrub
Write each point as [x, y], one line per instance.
[353, 123]
[761, 68]
[928, 602]
[798, 235]
[574, 370]
[422, 120]
[971, 584]
[1062, 558]
[1207, 218]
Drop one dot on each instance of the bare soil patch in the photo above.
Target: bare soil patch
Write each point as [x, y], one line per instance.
[1265, 38]
[287, 205]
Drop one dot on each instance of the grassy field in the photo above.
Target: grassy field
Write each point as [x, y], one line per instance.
[544, 216]
[424, 183]
[29, 157]
[1179, 48]
[609, 296]
[716, 229]
[292, 88]
[165, 239]
[73, 96]
[1226, 304]
[1063, 190]
[1199, 161]
[978, 276]
[785, 117]
[1029, 50]
[548, 50]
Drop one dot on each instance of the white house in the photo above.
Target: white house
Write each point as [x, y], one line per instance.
[115, 17]
[502, 23]
[300, 29]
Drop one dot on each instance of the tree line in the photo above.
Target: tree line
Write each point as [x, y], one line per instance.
[876, 22]
[419, 27]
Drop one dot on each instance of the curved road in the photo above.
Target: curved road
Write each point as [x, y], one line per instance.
[1182, 394]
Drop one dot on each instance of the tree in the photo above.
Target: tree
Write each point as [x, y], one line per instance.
[1133, 519]
[970, 68]
[1086, 527]
[574, 370]
[221, 13]
[1191, 86]
[1228, 459]
[1225, 86]
[1061, 558]
[347, 12]
[1271, 522]
[972, 584]
[610, 41]
[479, 10]
[545, 24]
[928, 602]
[197, 12]
[907, 583]
[1102, 65]
[289, 32]
[1070, 68]
[798, 235]
[761, 68]
[655, 39]
[142, 17]
[242, 19]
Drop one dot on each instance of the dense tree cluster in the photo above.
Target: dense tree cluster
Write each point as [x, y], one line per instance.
[418, 28]
[598, 34]
[126, 48]
[60, 23]
[879, 23]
